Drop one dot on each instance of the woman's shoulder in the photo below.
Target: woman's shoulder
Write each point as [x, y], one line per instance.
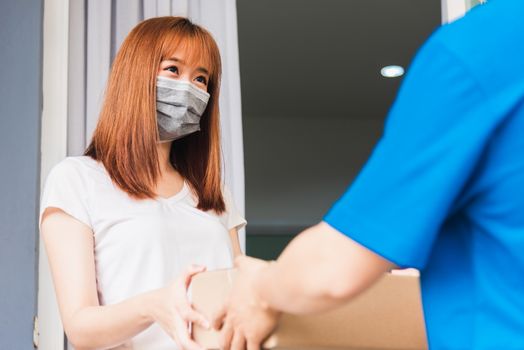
[227, 195]
[78, 164]
[76, 168]
[69, 186]
[232, 217]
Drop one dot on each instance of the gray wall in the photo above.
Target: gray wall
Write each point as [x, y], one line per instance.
[297, 167]
[20, 109]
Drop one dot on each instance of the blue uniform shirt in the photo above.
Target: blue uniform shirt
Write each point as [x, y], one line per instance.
[444, 188]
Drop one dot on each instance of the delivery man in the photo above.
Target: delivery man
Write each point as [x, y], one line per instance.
[443, 192]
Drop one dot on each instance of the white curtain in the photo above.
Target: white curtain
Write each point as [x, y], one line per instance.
[98, 27]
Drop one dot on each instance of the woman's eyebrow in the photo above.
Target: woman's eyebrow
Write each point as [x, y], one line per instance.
[203, 70]
[175, 59]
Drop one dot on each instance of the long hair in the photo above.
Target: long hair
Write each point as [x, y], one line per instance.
[125, 139]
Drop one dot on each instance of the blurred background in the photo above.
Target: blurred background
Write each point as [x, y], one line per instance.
[306, 88]
[314, 101]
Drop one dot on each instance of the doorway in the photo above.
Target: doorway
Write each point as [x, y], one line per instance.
[314, 101]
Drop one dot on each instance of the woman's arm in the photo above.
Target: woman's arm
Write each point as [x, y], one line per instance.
[235, 243]
[70, 249]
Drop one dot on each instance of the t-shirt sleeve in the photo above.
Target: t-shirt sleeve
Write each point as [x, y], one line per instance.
[232, 217]
[66, 189]
[434, 137]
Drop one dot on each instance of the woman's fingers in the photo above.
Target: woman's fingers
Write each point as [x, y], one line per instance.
[169, 326]
[189, 314]
[182, 333]
[190, 271]
[182, 310]
[183, 306]
[174, 335]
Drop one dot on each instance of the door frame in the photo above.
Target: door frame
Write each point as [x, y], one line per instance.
[53, 150]
[452, 10]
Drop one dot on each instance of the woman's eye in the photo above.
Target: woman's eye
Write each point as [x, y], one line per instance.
[201, 79]
[172, 69]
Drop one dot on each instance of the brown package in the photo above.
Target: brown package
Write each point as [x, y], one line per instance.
[386, 316]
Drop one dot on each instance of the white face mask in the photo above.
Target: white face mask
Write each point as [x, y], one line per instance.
[179, 106]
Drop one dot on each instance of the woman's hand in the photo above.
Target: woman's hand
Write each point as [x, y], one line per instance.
[173, 311]
[245, 320]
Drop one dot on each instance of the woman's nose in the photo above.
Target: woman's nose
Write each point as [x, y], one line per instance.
[185, 77]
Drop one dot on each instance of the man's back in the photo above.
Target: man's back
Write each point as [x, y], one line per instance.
[444, 189]
[473, 287]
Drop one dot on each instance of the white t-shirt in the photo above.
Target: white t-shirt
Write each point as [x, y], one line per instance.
[140, 245]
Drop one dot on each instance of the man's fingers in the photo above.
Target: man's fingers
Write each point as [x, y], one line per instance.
[218, 318]
[240, 260]
[253, 344]
[239, 341]
[225, 337]
[249, 264]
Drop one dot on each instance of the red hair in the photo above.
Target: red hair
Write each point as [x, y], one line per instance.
[125, 139]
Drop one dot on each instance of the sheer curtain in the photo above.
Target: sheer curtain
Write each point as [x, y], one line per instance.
[98, 27]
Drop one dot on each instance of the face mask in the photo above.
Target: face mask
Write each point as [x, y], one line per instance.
[179, 106]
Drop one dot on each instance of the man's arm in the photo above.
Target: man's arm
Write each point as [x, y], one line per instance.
[320, 269]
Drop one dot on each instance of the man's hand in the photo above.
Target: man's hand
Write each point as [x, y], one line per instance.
[245, 320]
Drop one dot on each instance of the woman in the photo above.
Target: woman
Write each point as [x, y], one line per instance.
[122, 223]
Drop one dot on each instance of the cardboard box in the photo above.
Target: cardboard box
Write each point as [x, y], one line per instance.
[386, 316]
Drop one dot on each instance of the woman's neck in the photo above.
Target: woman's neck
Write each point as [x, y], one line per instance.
[164, 150]
[170, 181]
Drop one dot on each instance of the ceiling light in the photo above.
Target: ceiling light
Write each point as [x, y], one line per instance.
[392, 71]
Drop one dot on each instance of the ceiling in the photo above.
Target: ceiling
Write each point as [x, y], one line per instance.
[322, 58]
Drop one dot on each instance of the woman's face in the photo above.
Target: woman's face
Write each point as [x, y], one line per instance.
[177, 67]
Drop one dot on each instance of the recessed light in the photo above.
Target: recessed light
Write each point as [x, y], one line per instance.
[392, 71]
